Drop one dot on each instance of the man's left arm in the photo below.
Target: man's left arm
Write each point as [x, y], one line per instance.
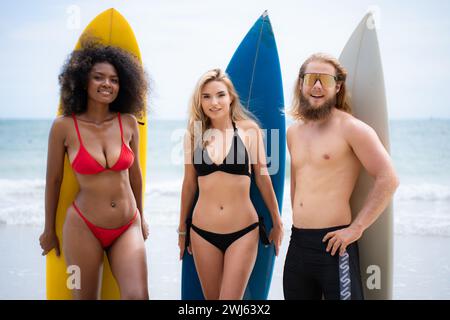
[375, 159]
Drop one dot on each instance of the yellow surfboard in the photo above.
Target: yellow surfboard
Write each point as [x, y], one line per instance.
[110, 28]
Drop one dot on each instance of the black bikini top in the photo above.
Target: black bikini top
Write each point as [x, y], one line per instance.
[236, 162]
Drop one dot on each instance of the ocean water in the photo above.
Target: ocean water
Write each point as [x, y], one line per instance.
[420, 150]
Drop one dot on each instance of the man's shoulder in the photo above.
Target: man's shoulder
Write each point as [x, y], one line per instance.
[297, 125]
[352, 126]
[293, 130]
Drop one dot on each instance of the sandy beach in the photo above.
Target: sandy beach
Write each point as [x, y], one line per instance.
[421, 270]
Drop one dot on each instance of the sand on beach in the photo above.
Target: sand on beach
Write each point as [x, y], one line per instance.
[421, 270]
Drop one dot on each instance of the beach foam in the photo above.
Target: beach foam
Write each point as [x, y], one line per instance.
[419, 209]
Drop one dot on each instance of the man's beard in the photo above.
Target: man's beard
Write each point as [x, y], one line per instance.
[308, 112]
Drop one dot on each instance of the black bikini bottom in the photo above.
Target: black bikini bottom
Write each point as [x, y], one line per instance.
[224, 240]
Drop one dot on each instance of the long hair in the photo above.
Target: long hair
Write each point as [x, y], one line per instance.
[196, 114]
[341, 76]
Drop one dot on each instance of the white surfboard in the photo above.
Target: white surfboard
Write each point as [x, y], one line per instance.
[366, 96]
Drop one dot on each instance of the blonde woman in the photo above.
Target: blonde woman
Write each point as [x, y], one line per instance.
[223, 148]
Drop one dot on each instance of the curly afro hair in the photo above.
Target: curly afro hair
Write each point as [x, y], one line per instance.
[74, 77]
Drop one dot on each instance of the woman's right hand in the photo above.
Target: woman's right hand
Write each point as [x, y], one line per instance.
[182, 245]
[48, 241]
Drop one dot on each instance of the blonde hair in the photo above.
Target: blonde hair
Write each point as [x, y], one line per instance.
[196, 114]
[341, 76]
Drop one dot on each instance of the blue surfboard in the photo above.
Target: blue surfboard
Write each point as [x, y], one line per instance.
[255, 72]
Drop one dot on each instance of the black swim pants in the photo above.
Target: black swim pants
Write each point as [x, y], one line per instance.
[312, 273]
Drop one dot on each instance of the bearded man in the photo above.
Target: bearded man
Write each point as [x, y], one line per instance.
[328, 147]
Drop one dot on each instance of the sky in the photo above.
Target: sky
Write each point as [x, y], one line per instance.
[180, 40]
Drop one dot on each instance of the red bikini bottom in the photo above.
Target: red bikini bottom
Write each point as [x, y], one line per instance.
[106, 236]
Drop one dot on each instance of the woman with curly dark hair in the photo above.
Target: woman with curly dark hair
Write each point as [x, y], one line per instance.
[103, 88]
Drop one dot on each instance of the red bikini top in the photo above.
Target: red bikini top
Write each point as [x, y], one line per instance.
[84, 163]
